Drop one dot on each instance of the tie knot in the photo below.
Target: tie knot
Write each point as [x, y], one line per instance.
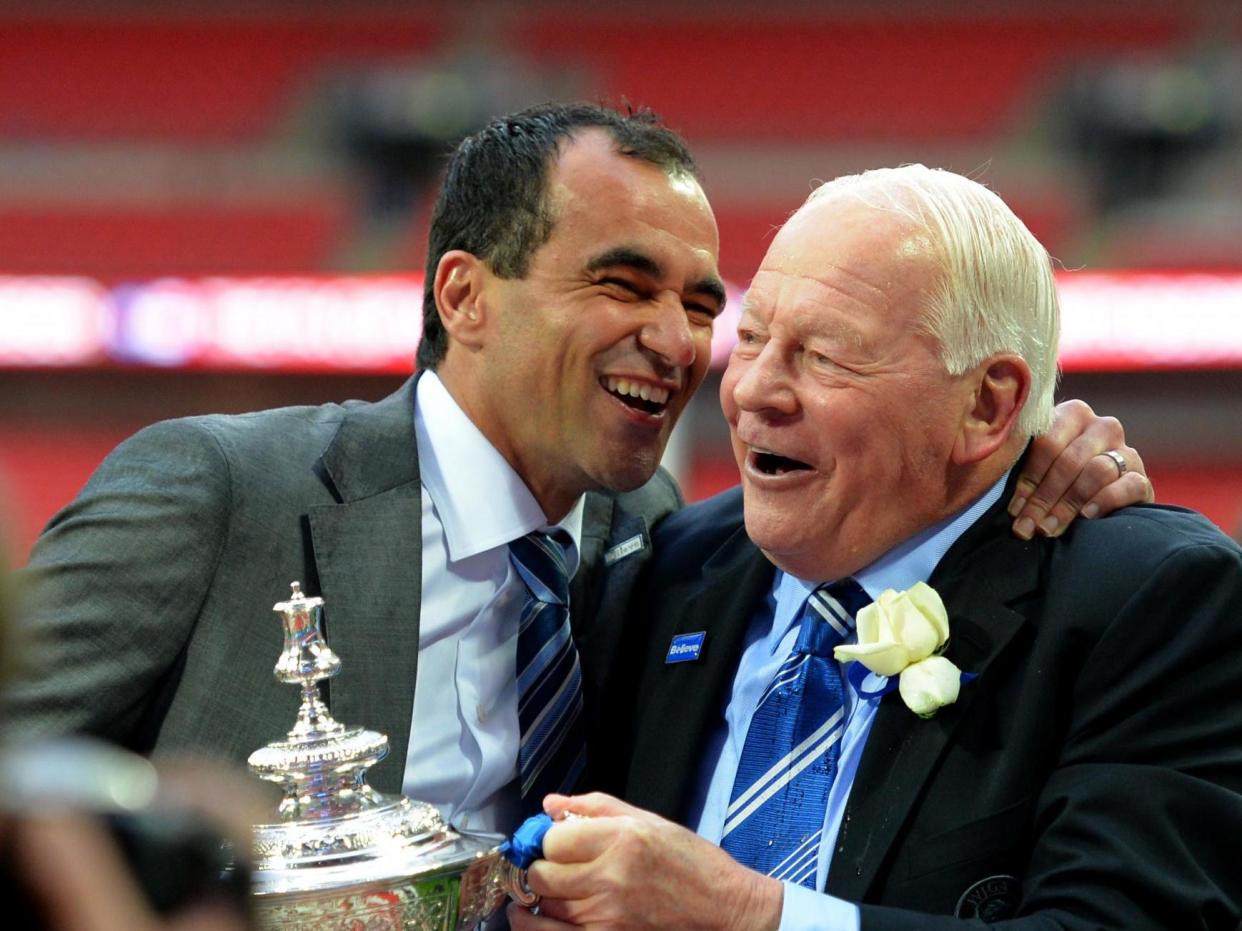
[539, 559]
[828, 616]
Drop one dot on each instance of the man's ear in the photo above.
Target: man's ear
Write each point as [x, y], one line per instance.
[458, 290]
[1001, 385]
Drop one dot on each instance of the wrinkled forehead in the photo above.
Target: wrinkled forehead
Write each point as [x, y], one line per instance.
[851, 229]
[851, 254]
[601, 199]
[594, 173]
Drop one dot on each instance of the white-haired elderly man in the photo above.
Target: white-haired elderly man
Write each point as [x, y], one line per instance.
[887, 711]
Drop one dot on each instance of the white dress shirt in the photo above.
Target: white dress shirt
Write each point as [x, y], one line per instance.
[464, 731]
[770, 639]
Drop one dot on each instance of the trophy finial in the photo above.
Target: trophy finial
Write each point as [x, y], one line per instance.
[321, 763]
[306, 657]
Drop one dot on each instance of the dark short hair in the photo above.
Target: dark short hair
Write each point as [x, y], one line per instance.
[493, 201]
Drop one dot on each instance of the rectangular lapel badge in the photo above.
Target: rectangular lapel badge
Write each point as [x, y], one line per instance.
[621, 550]
[686, 647]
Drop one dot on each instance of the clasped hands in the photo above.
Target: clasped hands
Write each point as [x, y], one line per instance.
[622, 867]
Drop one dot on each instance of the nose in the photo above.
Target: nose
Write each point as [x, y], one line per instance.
[666, 332]
[762, 383]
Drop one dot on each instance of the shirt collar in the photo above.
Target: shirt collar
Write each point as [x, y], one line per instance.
[916, 559]
[901, 567]
[481, 502]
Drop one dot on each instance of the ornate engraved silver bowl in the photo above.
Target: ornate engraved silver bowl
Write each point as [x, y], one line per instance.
[343, 856]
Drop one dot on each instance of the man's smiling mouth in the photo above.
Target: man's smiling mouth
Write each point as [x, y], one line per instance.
[775, 464]
[649, 399]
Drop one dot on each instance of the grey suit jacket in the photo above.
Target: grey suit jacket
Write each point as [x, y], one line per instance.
[147, 619]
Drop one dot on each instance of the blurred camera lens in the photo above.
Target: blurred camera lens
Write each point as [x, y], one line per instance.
[176, 856]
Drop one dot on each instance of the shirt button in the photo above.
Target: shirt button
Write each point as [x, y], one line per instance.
[480, 713]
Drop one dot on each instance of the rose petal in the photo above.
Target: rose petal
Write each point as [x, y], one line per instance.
[918, 622]
[914, 631]
[931, 606]
[884, 659]
[872, 623]
[930, 684]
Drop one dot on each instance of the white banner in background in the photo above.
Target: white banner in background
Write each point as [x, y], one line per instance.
[53, 322]
[1111, 321]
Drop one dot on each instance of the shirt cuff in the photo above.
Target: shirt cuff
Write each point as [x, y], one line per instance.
[805, 909]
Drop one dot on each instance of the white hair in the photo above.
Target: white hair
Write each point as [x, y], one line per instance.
[996, 294]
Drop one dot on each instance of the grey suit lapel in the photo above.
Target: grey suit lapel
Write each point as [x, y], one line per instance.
[983, 575]
[368, 554]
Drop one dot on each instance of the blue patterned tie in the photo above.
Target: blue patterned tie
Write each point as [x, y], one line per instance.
[780, 795]
[552, 753]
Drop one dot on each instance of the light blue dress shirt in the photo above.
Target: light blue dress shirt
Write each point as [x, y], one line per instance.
[769, 640]
[464, 731]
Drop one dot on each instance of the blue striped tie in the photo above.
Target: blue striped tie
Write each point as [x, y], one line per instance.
[552, 753]
[780, 795]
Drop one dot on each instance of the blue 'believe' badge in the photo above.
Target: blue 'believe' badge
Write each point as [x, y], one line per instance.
[686, 647]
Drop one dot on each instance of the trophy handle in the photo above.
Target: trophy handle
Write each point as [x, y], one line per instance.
[513, 881]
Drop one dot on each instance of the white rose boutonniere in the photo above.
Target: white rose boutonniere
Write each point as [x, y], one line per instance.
[901, 634]
[930, 684]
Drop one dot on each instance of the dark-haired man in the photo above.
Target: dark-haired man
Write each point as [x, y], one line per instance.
[571, 286]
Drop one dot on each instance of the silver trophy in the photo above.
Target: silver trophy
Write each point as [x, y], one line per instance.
[343, 856]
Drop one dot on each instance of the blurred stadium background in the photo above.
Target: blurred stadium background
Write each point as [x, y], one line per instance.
[221, 206]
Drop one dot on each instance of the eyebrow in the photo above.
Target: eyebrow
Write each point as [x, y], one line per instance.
[626, 257]
[831, 328]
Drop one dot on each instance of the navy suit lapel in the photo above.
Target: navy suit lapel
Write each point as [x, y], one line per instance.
[599, 613]
[688, 697]
[985, 573]
[597, 536]
[600, 598]
[368, 555]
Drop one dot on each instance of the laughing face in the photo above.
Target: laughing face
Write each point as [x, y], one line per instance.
[841, 414]
[598, 349]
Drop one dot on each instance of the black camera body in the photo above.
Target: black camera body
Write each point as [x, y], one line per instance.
[176, 856]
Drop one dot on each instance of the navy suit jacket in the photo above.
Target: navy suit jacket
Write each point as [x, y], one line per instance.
[1090, 777]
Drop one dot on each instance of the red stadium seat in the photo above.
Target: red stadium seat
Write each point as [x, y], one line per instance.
[129, 241]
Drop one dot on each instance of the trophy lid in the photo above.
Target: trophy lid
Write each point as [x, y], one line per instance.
[334, 830]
